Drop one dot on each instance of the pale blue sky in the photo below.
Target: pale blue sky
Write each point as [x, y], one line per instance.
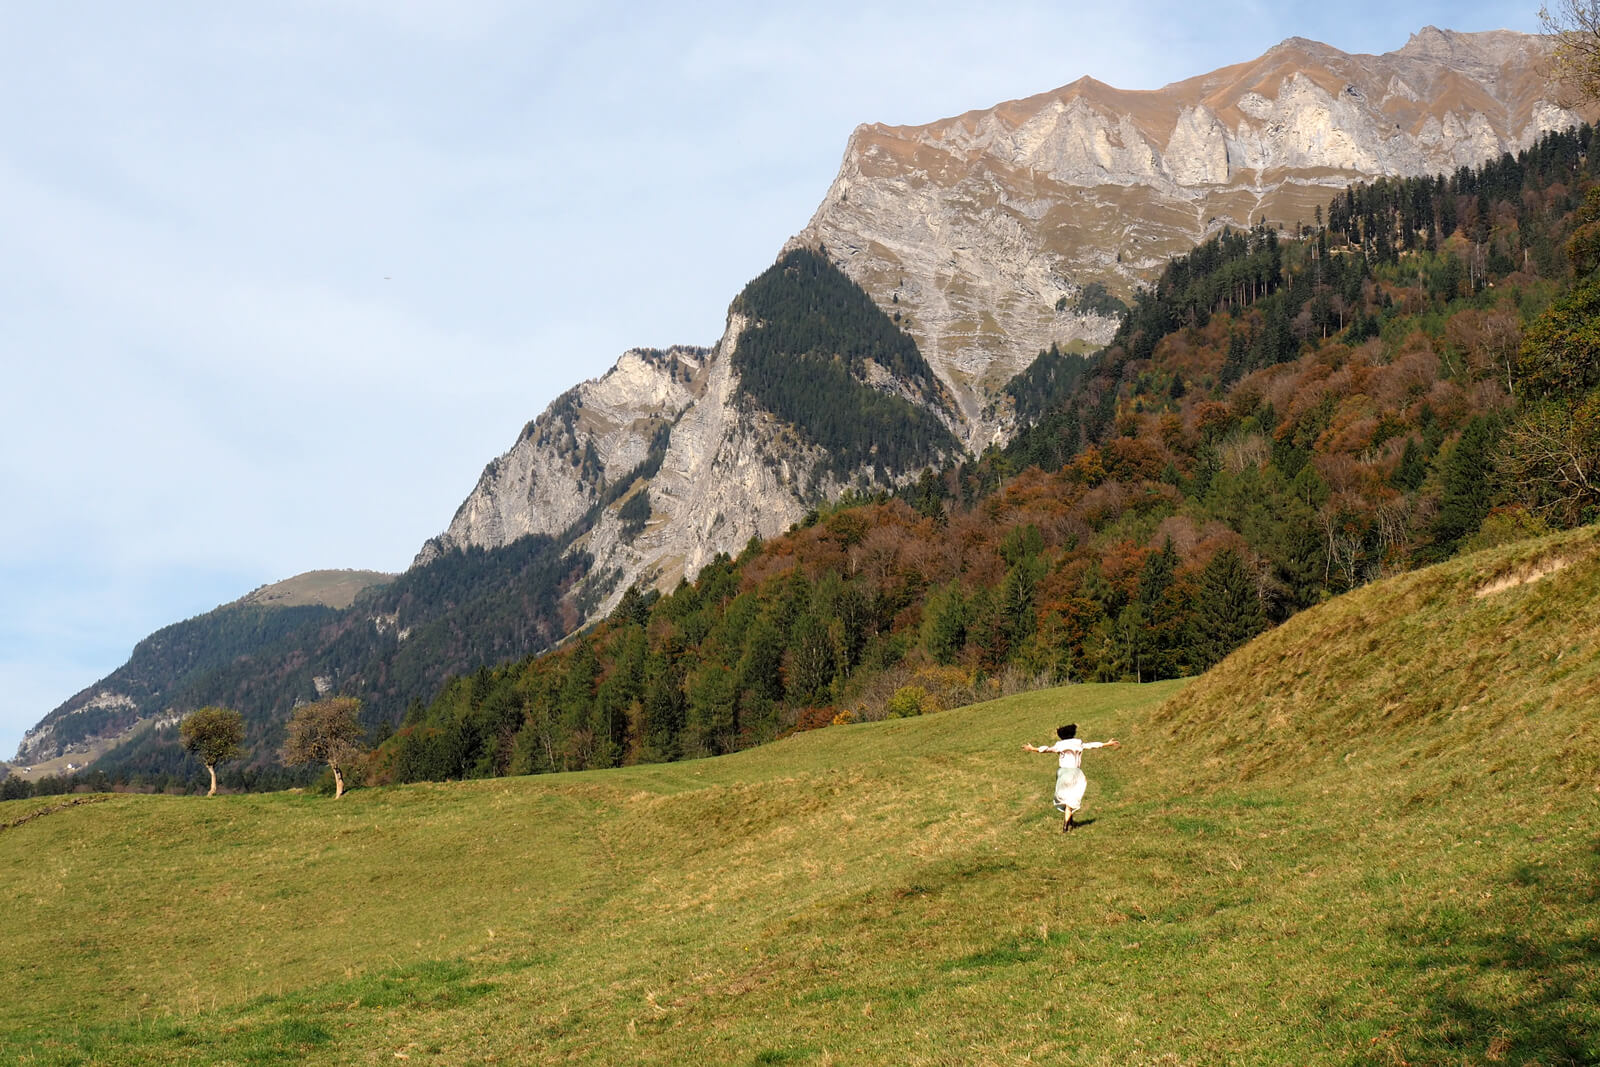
[279, 279]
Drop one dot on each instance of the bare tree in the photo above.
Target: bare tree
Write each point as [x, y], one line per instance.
[1552, 457]
[214, 735]
[327, 731]
[1574, 31]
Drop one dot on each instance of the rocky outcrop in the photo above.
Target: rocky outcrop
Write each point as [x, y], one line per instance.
[727, 472]
[977, 233]
[48, 740]
[976, 227]
[590, 437]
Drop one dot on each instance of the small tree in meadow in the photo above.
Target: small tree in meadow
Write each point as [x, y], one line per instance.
[214, 735]
[326, 731]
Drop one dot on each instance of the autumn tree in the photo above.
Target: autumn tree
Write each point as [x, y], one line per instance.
[326, 731]
[214, 735]
[1574, 31]
[1551, 460]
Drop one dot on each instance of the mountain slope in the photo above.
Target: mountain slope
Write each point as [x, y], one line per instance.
[1450, 685]
[675, 456]
[983, 229]
[900, 891]
[980, 236]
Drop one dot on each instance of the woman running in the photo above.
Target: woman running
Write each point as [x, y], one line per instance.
[1070, 782]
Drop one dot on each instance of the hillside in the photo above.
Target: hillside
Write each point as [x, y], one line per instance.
[985, 230]
[396, 641]
[1253, 886]
[333, 589]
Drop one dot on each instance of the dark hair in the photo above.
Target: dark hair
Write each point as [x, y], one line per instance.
[1067, 731]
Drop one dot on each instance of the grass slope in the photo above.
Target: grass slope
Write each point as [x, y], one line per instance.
[1369, 837]
[329, 588]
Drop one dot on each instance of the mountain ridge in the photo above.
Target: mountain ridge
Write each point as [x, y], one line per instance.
[672, 436]
[975, 227]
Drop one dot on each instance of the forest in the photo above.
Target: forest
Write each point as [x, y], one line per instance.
[804, 357]
[1278, 420]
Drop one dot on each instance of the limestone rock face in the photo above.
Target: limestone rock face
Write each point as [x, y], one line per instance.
[731, 472]
[973, 229]
[591, 436]
[728, 472]
[977, 226]
[44, 741]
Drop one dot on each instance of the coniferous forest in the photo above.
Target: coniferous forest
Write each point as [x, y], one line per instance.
[805, 355]
[1280, 418]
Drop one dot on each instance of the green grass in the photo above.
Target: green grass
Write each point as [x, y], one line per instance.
[1381, 850]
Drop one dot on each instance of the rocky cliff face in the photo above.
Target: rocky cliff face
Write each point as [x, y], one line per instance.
[973, 230]
[592, 436]
[975, 227]
[726, 472]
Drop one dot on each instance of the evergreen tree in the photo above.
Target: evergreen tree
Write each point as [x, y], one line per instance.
[1227, 608]
[810, 661]
[944, 624]
[1466, 482]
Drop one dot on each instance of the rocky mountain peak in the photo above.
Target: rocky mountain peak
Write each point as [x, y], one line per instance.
[979, 233]
[984, 228]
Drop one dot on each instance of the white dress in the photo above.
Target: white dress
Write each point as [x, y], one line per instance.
[1070, 782]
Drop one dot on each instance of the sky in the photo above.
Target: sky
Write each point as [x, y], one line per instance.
[277, 280]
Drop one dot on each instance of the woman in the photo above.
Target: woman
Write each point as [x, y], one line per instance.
[1070, 782]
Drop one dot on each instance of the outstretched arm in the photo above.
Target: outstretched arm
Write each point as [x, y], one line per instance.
[1036, 748]
[1113, 743]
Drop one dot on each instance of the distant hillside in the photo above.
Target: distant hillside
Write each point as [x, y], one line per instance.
[163, 666]
[396, 641]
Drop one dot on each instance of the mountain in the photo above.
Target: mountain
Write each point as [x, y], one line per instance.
[984, 229]
[942, 261]
[980, 236]
[167, 662]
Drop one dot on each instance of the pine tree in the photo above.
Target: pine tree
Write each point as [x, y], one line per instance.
[1227, 608]
[1467, 494]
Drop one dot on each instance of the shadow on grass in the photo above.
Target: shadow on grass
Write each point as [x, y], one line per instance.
[1541, 1000]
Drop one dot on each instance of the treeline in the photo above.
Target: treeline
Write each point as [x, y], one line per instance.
[396, 644]
[176, 657]
[804, 357]
[1508, 210]
[1185, 494]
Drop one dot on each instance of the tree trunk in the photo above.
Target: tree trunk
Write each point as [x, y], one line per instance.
[212, 767]
[338, 781]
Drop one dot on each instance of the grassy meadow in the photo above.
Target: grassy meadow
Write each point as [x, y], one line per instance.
[1369, 837]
